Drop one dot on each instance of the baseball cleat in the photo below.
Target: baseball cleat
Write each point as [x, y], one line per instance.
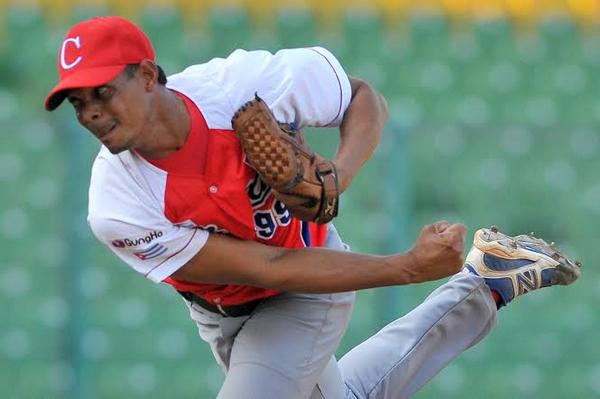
[514, 266]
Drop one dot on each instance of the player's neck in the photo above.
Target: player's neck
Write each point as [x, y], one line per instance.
[167, 128]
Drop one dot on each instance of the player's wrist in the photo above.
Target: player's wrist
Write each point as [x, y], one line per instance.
[344, 176]
[412, 266]
[403, 268]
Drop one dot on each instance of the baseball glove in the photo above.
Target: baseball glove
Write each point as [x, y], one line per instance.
[303, 180]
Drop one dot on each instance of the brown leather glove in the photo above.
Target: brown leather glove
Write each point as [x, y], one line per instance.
[303, 180]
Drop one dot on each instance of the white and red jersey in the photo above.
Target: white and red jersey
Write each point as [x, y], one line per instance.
[156, 215]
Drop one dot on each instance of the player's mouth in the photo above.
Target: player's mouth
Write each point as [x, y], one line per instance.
[105, 134]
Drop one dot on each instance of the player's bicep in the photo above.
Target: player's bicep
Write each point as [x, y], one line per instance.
[227, 260]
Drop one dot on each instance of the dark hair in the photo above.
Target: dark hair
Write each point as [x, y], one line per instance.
[132, 68]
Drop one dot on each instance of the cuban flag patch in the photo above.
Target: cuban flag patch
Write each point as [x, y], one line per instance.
[151, 252]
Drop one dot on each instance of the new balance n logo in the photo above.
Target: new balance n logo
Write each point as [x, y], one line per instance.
[527, 281]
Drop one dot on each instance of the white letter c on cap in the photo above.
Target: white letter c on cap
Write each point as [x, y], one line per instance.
[63, 61]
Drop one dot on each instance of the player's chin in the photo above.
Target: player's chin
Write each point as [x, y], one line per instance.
[114, 148]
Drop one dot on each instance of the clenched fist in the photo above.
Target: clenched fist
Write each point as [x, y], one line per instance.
[438, 252]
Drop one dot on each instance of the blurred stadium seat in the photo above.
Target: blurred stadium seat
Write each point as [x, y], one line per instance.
[295, 27]
[498, 115]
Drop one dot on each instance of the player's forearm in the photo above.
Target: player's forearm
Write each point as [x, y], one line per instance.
[320, 270]
[226, 260]
[437, 253]
[360, 131]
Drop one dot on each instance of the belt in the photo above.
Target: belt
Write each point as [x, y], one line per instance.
[243, 309]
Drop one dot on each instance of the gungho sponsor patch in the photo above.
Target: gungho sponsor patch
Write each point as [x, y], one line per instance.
[135, 242]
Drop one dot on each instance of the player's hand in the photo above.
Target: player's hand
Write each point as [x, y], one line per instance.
[438, 252]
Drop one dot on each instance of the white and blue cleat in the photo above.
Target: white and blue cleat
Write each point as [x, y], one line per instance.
[514, 266]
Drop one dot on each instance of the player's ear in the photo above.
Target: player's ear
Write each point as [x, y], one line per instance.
[148, 72]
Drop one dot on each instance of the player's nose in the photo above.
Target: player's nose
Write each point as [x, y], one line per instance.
[90, 113]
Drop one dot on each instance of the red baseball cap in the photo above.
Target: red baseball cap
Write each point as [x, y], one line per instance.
[96, 51]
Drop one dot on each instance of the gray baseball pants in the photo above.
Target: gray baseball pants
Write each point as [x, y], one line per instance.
[285, 349]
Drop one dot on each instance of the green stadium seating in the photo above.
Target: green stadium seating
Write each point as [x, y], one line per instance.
[560, 38]
[229, 29]
[28, 45]
[165, 28]
[80, 13]
[295, 28]
[495, 38]
[429, 35]
[361, 29]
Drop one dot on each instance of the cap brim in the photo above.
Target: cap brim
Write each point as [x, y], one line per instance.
[89, 77]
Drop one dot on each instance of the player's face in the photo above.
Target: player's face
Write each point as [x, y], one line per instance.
[116, 113]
